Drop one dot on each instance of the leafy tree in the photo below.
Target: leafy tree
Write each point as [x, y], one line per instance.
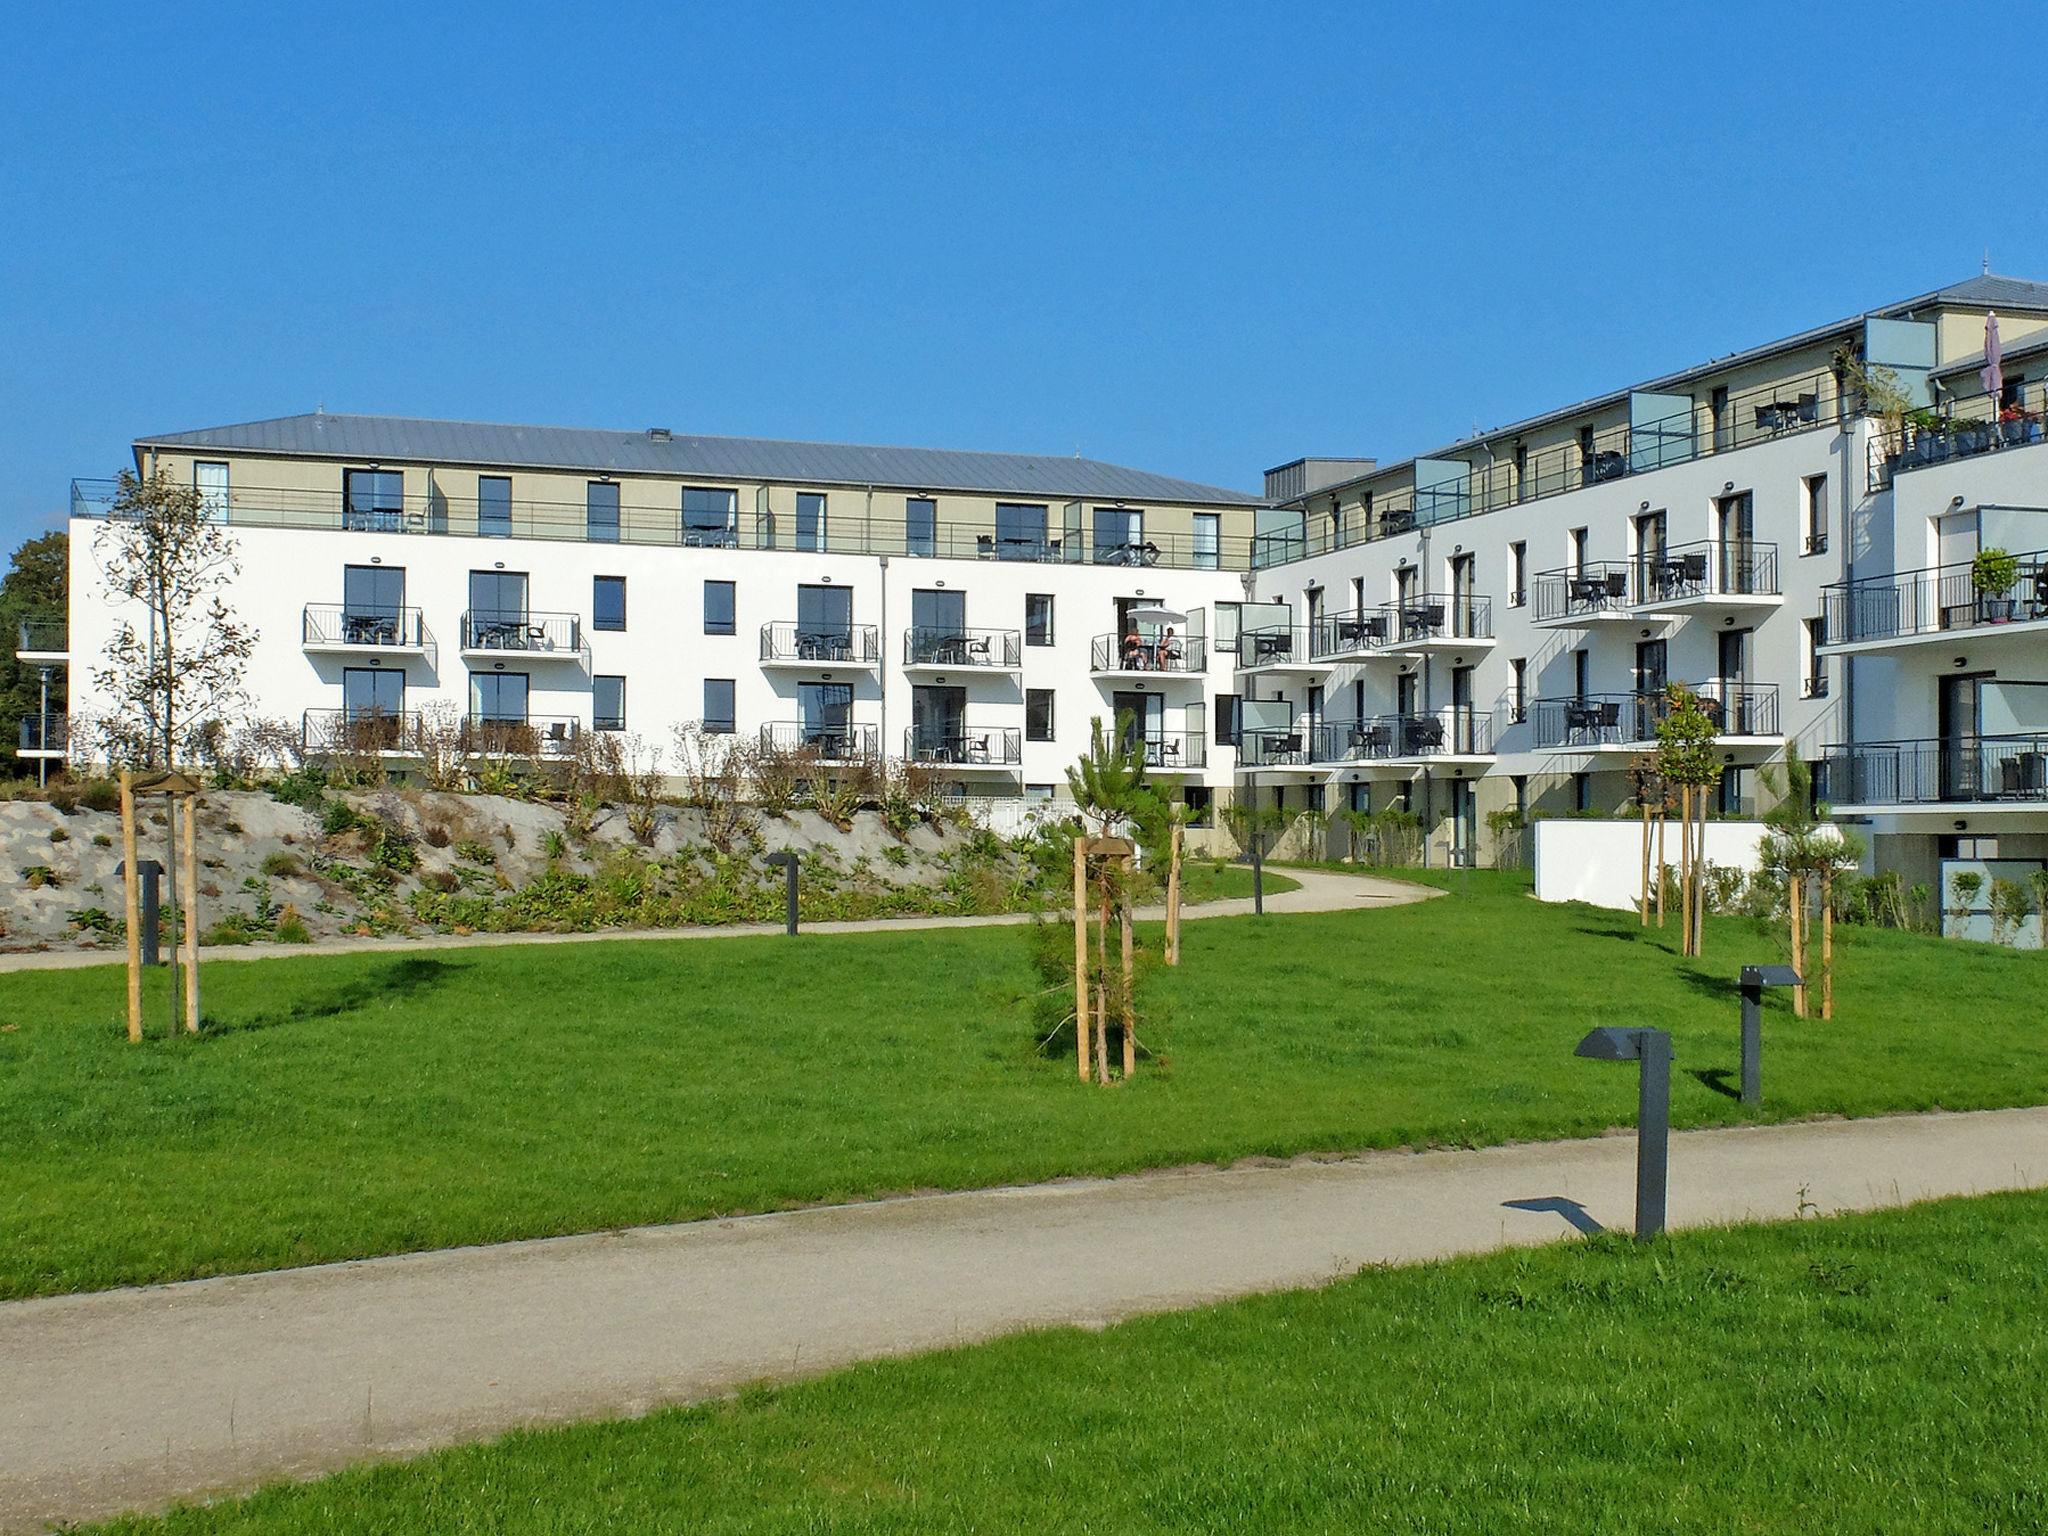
[1806, 851]
[1109, 783]
[34, 588]
[1688, 756]
[159, 551]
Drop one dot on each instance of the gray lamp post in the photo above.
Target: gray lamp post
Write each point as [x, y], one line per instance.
[788, 861]
[1754, 979]
[1651, 1048]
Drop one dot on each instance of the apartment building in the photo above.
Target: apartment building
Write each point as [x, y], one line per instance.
[1485, 628]
[1491, 626]
[971, 612]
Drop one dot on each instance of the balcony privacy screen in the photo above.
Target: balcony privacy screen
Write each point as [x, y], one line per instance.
[1443, 489]
[1266, 715]
[1659, 430]
[1907, 347]
[2012, 709]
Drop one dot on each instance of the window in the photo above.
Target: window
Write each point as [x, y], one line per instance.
[1020, 531]
[711, 518]
[1208, 540]
[1582, 663]
[1201, 804]
[211, 482]
[826, 710]
[1038, 714]
[1038, 618]
[497, 597]
[810, 520]
[1119, 536]
[608, 602]
[1814, 683]
[921, 525]
[497, 695]
[825, 615]
[718, 716]
[1314, 796]
[1229, 719]
[494, 506]
[601, 511]
[1578, 545]
[718, 608]
[372, 693]
[1582, 792]
[1730, 795]
[1038, 791]
[608, 703]
[370, 593]
[1816, 497]
[1518, 702]
[373, 500]
[1229, 620]
[1518, 556]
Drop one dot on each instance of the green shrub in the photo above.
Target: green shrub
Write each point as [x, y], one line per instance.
[291, 928]
[475, 853]
[436, 836]
[554, 845]
[59, 835]
[38, 876]
[304, 787]
[281, 864]
[95, 920]
[396, 852]
[100, 795]
[101, 840]
[338, 816]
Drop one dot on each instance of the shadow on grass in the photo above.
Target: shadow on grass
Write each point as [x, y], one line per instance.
[395, 982]
[1717, 1080]
[1580, 1218]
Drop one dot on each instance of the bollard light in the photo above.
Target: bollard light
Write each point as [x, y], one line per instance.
[788, 861]
[1753, 981]
[1651, 1050]
[149, 871]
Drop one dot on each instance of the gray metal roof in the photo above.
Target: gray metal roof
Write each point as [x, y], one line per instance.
[408, 440]
[1987, 290]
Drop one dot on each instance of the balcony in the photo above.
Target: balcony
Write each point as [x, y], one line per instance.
[1910, 608]
[834, 744]
[1453, 733]
[330, 628]
[359, 733]
[1172, 751]
[437, 512]
[1992, 771]
[529, 637]
[533, 736]
[810, 646]
[45, 736]
[1136, 655]
[943, 649]
[1354, 635]
[1708, 577]
[1279, 650]
[965, 748]
[1962, 429]
[45, 641]
[1743, 714]
[1274, 749]
[1596, 592]
[1442, 621]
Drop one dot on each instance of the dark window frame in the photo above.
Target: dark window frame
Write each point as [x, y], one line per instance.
[729, 625]
[1051, 629]
[600, 721]
[597, 616]
[1035, 698]
[726, 724]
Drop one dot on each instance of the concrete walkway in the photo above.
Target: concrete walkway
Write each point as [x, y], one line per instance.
[1320, 891]
[128, 1399]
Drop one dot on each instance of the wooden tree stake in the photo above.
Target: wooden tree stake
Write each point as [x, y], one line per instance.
[132, 892]
[191, 859]
[1827, 943]
[1685, 869]
[1081, 956]
[1173, 896]
[1129, 1000]
[1795, 904]
[1663, 868]
[1644, 905]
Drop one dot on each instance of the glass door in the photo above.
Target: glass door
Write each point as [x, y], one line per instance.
[825, 711]
[938, 724]
[1961, 732]
[372, 604]
[1738, 538]
[1141, 719]
[938, 627]
[824, 623]
[372, 702]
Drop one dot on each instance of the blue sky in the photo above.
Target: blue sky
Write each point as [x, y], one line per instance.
[1201, 239]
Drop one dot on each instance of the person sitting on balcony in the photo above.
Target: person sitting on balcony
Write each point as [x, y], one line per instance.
[1169, 649]
[1134, 652]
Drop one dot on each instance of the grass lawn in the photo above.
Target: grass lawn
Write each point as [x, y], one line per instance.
[1869, 1374]
[348, 1105]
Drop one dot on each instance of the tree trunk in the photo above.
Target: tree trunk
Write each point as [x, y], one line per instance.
[1102, 986]
[1699, 879]
[191, 813]
[1173, 896]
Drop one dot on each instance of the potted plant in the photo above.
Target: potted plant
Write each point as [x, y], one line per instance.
[1994, 573]
[1971, 436]
[2016, 425]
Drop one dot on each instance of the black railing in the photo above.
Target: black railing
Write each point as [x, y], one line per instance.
[1171, 751]
[1455, 730]
[1763, 414]
[533, 736]
[1626, 719]
[363, 628]
[824, 742]
[352, 732]
[48, 636]
[1708, 568]
[944, 646]
[1144, 653]
[1929, 772]
[969, 746]
[1960, 429]
[1598, 586]
[1925, 602]
[1276, 647]
[1275, 749]
[438, 513]
[1442, 616]
[532, 634]
[847, 645]
[1355, 632]
[45, 733]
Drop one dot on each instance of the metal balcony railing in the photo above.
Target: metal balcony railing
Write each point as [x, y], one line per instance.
[1925, 602]
[1442, 616]
[1274, 749]
[1706, 568]
[1598, 586]
[363, 628]
[45, 733]
[968, 746]
[534, 736]
[49, 637]
[1275, 647]
[824, 742]
[1351, 633]
[1630, 719]
[1141, 653]
[1960, 429]
[1454, 730]
[532, 634]
[943, 646]
[1170, 751]
[846, 645]
[358, 732]
[1935, 772]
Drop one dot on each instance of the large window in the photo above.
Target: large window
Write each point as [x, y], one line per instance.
[608, 602]
[1020, 531]
[373, 500]
[1038, 714]
[825, 613]
[211, 482]
[494, 506]
[1208, 540]
[711, 517]
[372, 692]
[718, 608]
[1119, 535]
[1229, 623]
[497, 595]
[608, 703]
[1229, 719]
[1816, 497]
[921, 525]
[601, 511]
[497, 695]
[370, 592]
[718, 710]
[810, 520]
[826, 710]
[1038, 618]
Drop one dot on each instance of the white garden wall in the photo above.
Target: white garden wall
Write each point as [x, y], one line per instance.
[1601, 862]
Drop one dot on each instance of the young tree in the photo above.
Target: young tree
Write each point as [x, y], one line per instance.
[34, 588]
[159, 551]
[1687, 757]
